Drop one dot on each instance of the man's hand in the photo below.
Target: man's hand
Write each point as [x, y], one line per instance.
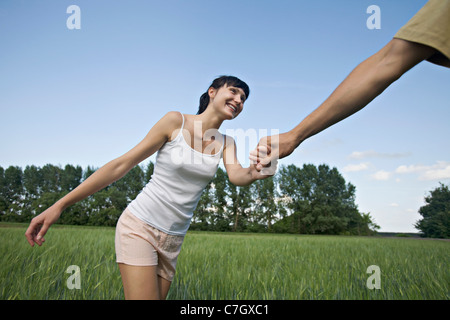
[272, 148]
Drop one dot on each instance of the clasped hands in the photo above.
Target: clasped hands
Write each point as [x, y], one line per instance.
[270, 149]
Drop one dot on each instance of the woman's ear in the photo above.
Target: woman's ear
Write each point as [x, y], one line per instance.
[212, 92]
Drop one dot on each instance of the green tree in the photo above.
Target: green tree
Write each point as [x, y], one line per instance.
[436, 214]
[295, 186]
[13, 184]
[265, 204]
[88, 172]
[32, 191]
[131, 184]
[32, 180]
[13, 194]
[51, 178]
[105, 206]
[3, 202]
[149, 171]
[70, 177]
[201, 216]
[321, 202]
[239, 206]
[220, 220]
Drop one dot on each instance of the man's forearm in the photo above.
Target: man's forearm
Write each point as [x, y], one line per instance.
[362, 85]
[370, 78]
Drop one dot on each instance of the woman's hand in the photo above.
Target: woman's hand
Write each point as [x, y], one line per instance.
[40, 224]
[272, 148]
[263, 173]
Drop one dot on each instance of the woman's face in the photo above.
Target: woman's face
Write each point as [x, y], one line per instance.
[228, 100]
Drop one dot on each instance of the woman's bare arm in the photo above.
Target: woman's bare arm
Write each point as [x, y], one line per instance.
[238, 175]
[107, 174]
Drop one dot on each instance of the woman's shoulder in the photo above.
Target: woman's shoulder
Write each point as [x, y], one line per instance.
[178, 117]
[174, 116]
[173, 119]
[172, 122]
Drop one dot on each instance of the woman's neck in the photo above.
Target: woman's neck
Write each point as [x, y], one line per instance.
[210, 120]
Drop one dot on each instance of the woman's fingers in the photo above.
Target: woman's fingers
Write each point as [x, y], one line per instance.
[32, 233]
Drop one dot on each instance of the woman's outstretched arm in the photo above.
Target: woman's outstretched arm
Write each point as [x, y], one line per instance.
[107, 174]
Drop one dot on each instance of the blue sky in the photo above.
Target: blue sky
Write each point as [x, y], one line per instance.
[87, 96]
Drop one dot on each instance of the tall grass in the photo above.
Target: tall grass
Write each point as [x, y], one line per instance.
[230, 266]
[40, 272]
[225, 266]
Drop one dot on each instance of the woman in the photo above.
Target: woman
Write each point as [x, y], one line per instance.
[151, 230]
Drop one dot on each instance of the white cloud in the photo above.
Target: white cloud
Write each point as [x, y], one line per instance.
[374, 154]
[438, 171]
[381, 175]
[394, 204]
[410, 169]
[436, 174]
[356, 167]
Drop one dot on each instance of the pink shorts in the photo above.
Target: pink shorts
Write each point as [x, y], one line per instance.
[139, 244]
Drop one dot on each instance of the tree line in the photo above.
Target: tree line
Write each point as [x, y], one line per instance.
[435, 222]
[308, 200]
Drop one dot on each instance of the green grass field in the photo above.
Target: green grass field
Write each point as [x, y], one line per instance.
[230, 266]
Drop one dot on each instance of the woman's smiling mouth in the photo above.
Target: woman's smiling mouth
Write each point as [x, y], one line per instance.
[232, 108]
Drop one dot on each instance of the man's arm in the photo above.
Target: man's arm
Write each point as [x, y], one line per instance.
[368, 80]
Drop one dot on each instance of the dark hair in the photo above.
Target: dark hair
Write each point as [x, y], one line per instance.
[220, 82]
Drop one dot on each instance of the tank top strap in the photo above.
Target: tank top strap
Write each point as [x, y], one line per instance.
[223, 142]
[182, 125]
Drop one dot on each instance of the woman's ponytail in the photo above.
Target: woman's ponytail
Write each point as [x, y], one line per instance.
[204, 102]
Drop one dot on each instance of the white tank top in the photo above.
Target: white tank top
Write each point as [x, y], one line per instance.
[180, 175]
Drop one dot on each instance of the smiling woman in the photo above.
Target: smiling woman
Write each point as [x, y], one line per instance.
[151, 230]
[228, 81]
